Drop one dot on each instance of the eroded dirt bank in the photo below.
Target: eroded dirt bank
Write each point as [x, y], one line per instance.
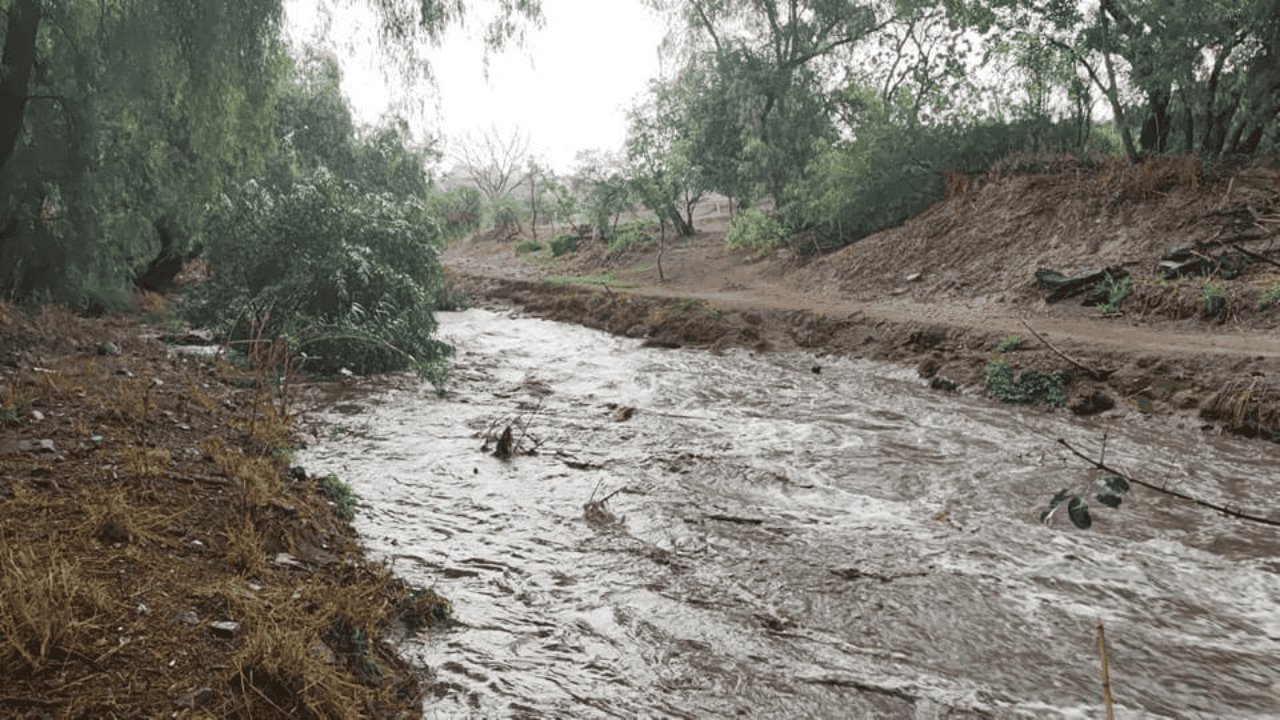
[948, 291]
[158, 557]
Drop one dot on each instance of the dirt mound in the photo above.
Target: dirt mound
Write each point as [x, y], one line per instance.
[996, 230]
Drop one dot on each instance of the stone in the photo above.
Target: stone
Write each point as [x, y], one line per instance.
[1091, 403]
[108, 349]
[187, 617]
[199, 697]
[37, 446]
[225, 628]
[286, 560]
[37, 416]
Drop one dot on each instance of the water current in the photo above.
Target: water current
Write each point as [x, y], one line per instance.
[797, 537]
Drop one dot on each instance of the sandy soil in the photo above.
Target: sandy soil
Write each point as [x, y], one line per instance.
[946, 288]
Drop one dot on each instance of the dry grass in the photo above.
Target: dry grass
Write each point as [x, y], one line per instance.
[49, 607]
[1249, 407]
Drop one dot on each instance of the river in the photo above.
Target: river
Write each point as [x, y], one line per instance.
[797, 537]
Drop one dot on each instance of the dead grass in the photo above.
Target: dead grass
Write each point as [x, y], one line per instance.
[162, 504]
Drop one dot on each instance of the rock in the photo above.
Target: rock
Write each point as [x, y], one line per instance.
[1186, 400]
[1091, 403]
[941, 383]
[37, 446]
[108, 349]
[37, 416]
[187, 617]
[928, 367]
[225, 628]
[195, 699]
[286, 560]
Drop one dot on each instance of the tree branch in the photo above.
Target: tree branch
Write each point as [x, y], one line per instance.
[1166, 491]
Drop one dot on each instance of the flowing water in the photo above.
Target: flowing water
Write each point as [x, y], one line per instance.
[792, 543]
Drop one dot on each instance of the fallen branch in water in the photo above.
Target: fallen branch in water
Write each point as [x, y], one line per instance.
[1095, 374]
[1108, 703]
[1099, 464]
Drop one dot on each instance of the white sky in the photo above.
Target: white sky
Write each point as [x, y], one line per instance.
[567, 87]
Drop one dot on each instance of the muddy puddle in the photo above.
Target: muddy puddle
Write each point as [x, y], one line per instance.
[797, 543]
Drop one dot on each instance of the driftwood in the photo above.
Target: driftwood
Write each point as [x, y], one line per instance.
[1061, 287]
[1095, 374]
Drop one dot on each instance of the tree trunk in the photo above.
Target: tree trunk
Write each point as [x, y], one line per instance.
[18, 58]
[1113, 93]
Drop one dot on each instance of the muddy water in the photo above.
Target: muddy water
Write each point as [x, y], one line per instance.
[797, 544]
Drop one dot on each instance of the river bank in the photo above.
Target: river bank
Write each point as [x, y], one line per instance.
[158, 555]
[955, 289]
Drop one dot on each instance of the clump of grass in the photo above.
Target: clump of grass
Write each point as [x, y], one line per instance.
[48, 607]
[146, 462]
[1215, 300]
[1117, 291]
[423, 608]
[1011, 343]
[1029, 387]
[341, 495]
[246, 550]
[1270, 297]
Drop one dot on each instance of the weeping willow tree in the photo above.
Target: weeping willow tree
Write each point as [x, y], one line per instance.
[121, 121]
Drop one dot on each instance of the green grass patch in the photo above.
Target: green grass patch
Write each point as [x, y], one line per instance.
[1215, 300]
[343, 497]
[1270, 297]
[563, 244]
[1011, 343]
[1117, 291]
[528, 246]
[1028, 388]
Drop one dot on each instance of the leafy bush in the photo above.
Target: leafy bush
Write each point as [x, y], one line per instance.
[631, 235]
[1030, 387]
[1269, 297]
[506, 212]
[524, 247]
[460, 210]
[348, 277]
[562, 244]
[754, 229]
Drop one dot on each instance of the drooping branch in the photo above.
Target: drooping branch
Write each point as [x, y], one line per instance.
[1100, 465]
[18, 58]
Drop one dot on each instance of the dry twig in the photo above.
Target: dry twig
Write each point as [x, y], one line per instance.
[1095, 374]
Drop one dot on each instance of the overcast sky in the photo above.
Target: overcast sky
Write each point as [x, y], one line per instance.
[568, 87]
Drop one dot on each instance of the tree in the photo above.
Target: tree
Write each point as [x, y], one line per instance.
[494, 161]
[661, 172]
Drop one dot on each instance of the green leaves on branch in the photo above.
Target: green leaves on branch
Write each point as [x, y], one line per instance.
[1109, 491]
[350, 276]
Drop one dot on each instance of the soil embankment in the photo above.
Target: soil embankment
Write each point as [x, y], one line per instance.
[158, 557]
[950, 289]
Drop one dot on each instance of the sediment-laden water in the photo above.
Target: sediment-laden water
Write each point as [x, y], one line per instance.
[792, 543]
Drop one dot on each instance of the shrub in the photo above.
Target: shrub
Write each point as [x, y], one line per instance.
[1215, 300]
[349, 278]
[459, 209]
[525, 247]
[630, 235]
[1117, 291]
[562, 244]
[506, 212]
[754, 229]
[1269, 297]
[1030, 387]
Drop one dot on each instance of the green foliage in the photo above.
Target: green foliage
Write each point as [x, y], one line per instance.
[629, 235]
[753, 229]
[604, 278]
[506, 213]
[1117, 291]
[341, 495]
[1011, 343]
[1029, 387]
[350, 276]
[524, 247]
[562, 244]
[1108, 491]
[1270, 297]
[1214, 299]
[459, 209]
